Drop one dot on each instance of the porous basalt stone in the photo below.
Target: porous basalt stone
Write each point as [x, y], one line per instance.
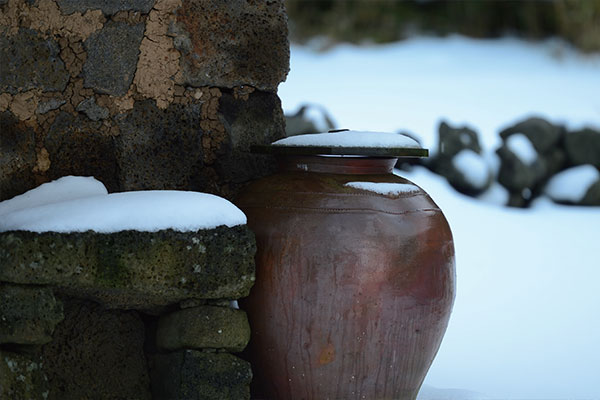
[160, 149]
[112, 55]
[542, 134]
[132, 269]
[192, 374]
[451, 141]
[28, 314]
[255, 120]
[17, 156]
[583, 147]
[30, 62]
[92, 110]
[77, 145]
[108, 7]
[22, 377]
[97, 354]
[204, 327]
[232, 43]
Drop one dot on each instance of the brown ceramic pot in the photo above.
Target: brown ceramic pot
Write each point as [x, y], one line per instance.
[353, 288]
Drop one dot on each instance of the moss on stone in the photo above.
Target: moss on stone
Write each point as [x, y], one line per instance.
[132, 269]
[204, 327]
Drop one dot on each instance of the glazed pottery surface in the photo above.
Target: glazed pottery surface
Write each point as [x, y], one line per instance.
[353, 289]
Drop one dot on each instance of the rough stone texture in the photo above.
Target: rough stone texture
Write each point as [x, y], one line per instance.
[28, 314]
[112, 54]
[49, 105]
[451, 141]
[524, 181]
[204, 327]
[583, 147]
[515, 175]
[160, 149]
[192, 374]
[21, 377]
[543, 135]
[79, 146]
[97, 354]
[92, 110]
[30, 62]
[17, 156]
[232, 43]
[131, 269]
[258, 119]
[108, 7]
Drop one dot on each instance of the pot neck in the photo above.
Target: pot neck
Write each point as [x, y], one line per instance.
[337, 165]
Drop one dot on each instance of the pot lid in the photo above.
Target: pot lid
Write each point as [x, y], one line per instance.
[346, 142]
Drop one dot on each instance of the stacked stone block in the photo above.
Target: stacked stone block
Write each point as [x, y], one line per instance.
[136, 315]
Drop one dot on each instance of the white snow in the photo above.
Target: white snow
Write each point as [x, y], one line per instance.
[521, 146]
[350, 139]
[105, 213]
[496, 194]
[412, 85]
[572, 184]
[472, 166]
[525, 323]
[65, 188]
[387, 189]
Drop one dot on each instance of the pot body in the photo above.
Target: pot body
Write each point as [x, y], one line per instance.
[353, 288]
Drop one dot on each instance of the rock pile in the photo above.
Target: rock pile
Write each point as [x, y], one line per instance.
[532, 152]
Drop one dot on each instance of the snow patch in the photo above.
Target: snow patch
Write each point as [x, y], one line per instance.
[65, 188]
[106, 213]
[350, 139]
[472, 166]
[572, 184]
[387, 189]
[521, 146]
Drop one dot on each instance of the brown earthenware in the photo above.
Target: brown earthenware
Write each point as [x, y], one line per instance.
[353, 289]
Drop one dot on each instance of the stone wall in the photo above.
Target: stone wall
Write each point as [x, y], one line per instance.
[141, 94]
[135, 315]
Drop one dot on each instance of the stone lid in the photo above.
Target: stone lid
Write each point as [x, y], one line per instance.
[346, 142]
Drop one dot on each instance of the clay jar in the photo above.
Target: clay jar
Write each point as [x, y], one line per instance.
[354, 288]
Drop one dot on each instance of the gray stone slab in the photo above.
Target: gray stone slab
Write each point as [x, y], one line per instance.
[204, 327]
[30, 62]
[192, 374]
[131, 269]
[28, 314]
[108, 7]
[112, 54]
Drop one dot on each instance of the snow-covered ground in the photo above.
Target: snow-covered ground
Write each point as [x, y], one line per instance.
[526, 322]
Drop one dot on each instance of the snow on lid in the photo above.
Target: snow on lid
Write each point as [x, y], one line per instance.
[572, 184]
[143, 211]
[472, 166]
[65, 188]
[388, 189]
[521, 146]
[350, 139]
